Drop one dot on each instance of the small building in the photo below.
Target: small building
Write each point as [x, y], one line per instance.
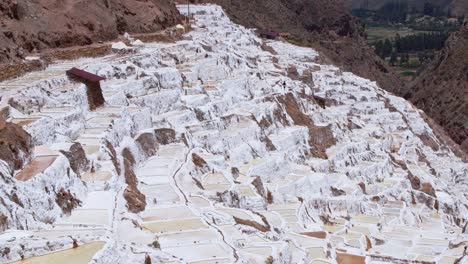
[268, 34]
[93, 87]
[285, 35]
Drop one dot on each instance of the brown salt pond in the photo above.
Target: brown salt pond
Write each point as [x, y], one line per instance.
[79, 255]
[36, 166]
[24, 121]
[344, 258]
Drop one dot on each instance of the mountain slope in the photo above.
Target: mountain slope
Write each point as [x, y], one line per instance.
[39, 24]
[442, 88]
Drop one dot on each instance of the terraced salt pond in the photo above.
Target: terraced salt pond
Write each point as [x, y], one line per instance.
[207, 151]
[79, 255]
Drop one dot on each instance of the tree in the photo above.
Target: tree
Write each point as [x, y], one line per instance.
[393, 58]
[387, 48]
[398, 42]
[395, 11]
[421, 57]
[404, 59]
[379, 46]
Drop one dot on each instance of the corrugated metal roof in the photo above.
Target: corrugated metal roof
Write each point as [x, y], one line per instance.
[87, 76]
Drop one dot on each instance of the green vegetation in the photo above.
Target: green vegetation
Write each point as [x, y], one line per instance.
[407, 38]
[376, 33]
[420, 42]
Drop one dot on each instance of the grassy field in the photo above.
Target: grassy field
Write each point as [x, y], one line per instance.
[382, 33]
[407, 72]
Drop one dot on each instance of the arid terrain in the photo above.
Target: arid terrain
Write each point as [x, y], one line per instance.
[34, 25]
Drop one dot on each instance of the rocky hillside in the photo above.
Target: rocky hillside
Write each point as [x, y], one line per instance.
[442, 89]
[322, 24]
[39, 24]
[460, 7]
[224, 148]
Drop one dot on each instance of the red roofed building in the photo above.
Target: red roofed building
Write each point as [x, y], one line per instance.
[93, 87]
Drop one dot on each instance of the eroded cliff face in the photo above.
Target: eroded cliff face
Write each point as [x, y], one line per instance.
[40, 24]
[224, 147]
[442, 88]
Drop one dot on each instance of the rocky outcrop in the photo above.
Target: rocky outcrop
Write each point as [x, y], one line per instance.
[15, 145]
[3, 222]
[77, 158]
[254, 224]
[112, 156]
[136, 201]
[320, 137]
[147, 144]
[36, 25]
[66, 201]
[165, 135]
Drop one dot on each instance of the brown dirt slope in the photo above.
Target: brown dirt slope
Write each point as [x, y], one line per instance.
[28, 25]
[442, 88]
[322, 24]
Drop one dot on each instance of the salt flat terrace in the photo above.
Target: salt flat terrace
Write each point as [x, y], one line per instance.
[226, 148]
